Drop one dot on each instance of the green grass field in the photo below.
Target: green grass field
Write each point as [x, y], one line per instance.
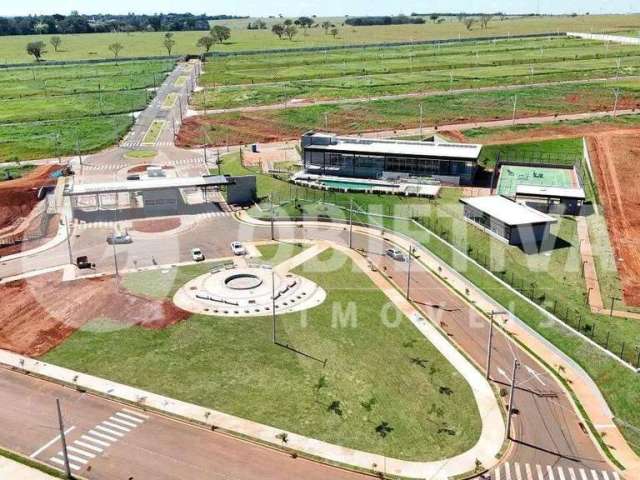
[231, 364]
[95, 46]
[264, 126]
[564, 151]
[269, 79]
[58, 110]
[11, 173]
[275, 253]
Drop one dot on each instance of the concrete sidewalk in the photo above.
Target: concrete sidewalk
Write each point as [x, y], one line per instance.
[11, 470]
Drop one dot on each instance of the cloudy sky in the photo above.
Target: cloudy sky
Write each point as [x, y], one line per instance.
[317, 7]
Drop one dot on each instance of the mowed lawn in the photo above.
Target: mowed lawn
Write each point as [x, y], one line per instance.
[374, 372]
[95, 46]
[47, 111]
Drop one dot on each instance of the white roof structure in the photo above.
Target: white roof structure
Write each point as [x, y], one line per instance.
[559, 192]
[156, 183]
[466, 151]
[507, 211]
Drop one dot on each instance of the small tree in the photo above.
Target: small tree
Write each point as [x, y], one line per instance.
[36, 49]
[278, 29]
[305, 22]
[206, 42]
[290, 31]
[168, 42]
[55, 42]
[334, 32]
[434, 17]
[484, 21]
[468, 22]
[326, 26]
[220, 33]
[116, 48]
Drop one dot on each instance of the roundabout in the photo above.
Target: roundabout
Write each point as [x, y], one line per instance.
[255, 290]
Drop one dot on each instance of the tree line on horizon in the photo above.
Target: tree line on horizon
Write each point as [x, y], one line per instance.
[76, 23]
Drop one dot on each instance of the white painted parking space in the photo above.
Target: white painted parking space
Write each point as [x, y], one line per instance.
[526, 471]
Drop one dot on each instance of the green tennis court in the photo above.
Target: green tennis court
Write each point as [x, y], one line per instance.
[513, 175]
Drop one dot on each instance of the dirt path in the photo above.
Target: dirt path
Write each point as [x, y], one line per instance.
[616, 160]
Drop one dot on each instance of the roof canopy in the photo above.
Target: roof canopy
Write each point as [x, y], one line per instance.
[158, 183]
[507, 211]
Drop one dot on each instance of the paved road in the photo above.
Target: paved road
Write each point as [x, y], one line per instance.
[548, 432]
[111, 441]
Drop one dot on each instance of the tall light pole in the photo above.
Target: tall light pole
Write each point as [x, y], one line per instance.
[420, 121]
[490, 343]
[273, 235]
[616, 93]
[273, 304]
[351, 223]
[409, 271]
[515, 106]
[63, 440]
[66, 226]
[512, 392]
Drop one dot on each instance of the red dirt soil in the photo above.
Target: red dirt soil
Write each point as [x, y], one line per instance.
[38, 314]
[143, 168]
[156, 226]
[18, 197]
[616, 161]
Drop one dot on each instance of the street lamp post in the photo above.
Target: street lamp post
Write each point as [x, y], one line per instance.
[65, 454]
[66, 226]
[420, 121]
[351, 223]
[515, 106]
[273, 304]
[409, 271]
[516, 364]
[616, 93]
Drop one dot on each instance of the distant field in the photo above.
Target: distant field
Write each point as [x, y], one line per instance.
[264, 126]
[270, 79]
[50, 111]
[95, 46]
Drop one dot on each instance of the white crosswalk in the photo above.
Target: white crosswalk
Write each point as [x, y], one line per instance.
[96, 225]
[526, 471]
[213, 214]
[94, 442]
[105, 166]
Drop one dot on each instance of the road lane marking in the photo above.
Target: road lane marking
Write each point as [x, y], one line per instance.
[527, 471]
[560, 473]
[550, 472]
[109, 431]
[594, 474]
[516, 465]
[497, 473]
[61, 462]
[123, 422]
[90, 447]
[102, 435]
[115, 425]
[507, 470]
[583, 474]
[95, 440]
[132, 412]
[615, 475]
[75, 458]
[605, 475]
[571, 473]
[81, 452]
[49, 443]
[540, 474]
[504, 374]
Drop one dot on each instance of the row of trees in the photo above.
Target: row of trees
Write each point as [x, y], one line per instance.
[384, 20]
[76, 23]
[289, 28]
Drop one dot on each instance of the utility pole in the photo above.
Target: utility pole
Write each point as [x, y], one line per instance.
[516, 364]
[351, 223]
[489, 347]
[273, 236]
[515, 105]
[273, 304]
[65, 454]
[616, 92]
[409, 271]
[66, 226]
[613, 301]
[180, 107]
[326, 121]
[420, 121]
[618, 62]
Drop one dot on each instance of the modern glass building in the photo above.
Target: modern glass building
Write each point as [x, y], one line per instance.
[328, 154]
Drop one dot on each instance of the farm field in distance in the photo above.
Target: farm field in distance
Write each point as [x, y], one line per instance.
[94, 45]
[395, 114]
[58, 110]
[231, 364]
[250, 80]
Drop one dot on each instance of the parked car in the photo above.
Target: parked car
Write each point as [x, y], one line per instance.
[83, 262]
[396, 255]
[238, 249]
[133, 176]
[197, 255]
[119, 239]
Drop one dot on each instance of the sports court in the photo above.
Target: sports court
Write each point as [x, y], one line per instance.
[513, 175]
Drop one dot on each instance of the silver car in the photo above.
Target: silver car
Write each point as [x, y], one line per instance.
[238, 249]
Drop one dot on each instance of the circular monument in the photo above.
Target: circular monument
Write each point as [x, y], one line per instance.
[248, 291]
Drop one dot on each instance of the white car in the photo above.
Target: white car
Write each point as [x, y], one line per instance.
[197, 255]
[238, 249]
[396, 255]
